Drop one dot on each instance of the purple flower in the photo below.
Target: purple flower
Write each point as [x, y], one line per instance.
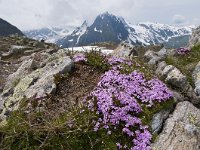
[116, 62]
[96, 126]
[142, 140]
[128, 132]
[119, 146]
[118, 98]
[182, 51]
[79, 57]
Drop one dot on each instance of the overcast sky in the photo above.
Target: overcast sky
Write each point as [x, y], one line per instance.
[29, 14]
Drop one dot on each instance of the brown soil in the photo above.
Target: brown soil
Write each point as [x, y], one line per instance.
[71, 91]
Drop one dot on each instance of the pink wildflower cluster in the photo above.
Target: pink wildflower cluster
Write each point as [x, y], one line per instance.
[182, 51]
[79, 57]
[119, 97]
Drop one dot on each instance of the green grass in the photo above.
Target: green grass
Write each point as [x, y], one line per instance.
[186, 63]
[33, 131]
[97, 60]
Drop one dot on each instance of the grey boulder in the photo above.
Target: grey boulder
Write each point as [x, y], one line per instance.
[181, 130]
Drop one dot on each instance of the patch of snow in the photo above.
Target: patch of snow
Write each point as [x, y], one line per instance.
[90, 48]
[95, 29]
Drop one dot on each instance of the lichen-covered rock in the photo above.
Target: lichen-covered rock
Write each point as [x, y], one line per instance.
[150, 55]
[177, 81]
[45, 84]
[171, 52]
[1, 89]
[21, 72]
[178, 97]
[166, 70]
[160, 68]
[196, 78]
[122, 51]
[181, 131]
[33, 79]
[153, 58]
[195, 37]
[163, 53]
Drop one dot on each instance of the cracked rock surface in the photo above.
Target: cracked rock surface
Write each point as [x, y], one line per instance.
[182, 130]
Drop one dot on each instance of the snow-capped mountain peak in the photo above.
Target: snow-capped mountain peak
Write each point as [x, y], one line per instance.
[80, 30]
[74, 37]
[110, 28]
[111, 16]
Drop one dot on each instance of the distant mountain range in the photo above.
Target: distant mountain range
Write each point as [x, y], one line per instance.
[6, 29]
[50, 34]
[110, 28]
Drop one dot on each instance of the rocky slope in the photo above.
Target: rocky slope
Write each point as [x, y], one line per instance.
[7, 29]
[49, 96]
[13, 50]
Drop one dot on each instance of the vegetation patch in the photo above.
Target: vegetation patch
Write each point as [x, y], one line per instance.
[186, 62]
[106, 103]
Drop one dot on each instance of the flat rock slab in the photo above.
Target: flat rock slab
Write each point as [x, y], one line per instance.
[182, 130]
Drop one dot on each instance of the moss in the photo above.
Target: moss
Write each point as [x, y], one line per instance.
[140, 66]
[147, 115]
[154, 136]
[148, 112]
[97, 60]
[59, 77]
[16, 82]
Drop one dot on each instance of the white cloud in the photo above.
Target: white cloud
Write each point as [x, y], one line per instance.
[179, 19]
[196, 21]
[27, 14]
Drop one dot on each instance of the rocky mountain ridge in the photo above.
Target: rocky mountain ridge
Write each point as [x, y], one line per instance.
[6, 29]
[108, 27]
[49, 34]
